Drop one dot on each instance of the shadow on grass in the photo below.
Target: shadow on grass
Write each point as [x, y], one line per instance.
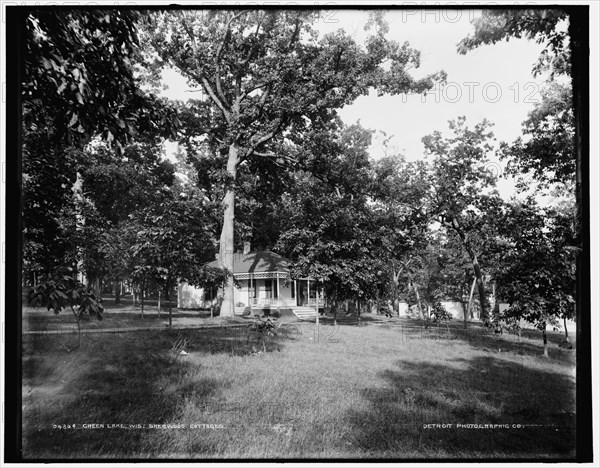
[482, 390]
[44, 320]
[528, 345]
[118, 379]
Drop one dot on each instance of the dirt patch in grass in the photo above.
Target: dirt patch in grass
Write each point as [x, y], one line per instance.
[346, 391]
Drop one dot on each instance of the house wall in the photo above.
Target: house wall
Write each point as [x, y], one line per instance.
[454, 308]
[243, 294]
[190, 297]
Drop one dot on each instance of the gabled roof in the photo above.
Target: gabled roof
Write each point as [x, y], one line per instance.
[257, 262]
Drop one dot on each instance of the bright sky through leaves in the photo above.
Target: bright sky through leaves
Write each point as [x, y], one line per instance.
[494, 82]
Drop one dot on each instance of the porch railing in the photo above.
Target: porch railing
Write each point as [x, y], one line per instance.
[270, 301]
[274, 302]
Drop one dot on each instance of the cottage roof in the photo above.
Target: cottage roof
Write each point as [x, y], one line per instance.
[257, 262]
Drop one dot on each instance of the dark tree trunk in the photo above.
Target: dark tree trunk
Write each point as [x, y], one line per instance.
[168, 298]
[77, 318]
[142, 298]
[476, 269]
[117, 293]
[334, 308]
[545, 337]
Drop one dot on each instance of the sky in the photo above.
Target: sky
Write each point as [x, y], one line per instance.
[493, 82]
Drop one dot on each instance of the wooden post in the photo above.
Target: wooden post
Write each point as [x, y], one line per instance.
[316, 312]
[277, 289]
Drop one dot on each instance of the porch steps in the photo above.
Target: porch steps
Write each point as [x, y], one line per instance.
[305, 313]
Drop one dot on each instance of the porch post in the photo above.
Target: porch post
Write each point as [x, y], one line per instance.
[295, 292]
[277, 288]
[308, 290]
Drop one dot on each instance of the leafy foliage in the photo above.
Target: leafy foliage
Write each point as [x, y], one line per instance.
[463, 196]
[329, 231]
[541, 25]
[538, 269]
[67, 292]
[271, 83]
[547, 151]
[79, 76]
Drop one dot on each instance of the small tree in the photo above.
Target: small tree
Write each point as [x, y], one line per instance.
[67, 292]
[537, 276]
[173, 243]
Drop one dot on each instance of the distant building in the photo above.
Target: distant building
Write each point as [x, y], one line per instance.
[264, 282]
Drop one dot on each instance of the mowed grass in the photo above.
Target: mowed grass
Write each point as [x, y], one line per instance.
[370, 391]
[124, 315]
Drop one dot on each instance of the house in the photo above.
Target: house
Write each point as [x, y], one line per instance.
[263, 283]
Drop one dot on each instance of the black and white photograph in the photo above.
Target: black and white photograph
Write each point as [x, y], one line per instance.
[300, 232]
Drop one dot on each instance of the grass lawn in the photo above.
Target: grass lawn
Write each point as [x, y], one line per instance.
[123, 315]
[373, 391]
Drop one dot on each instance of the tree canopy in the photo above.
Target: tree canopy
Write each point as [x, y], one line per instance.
[271, 82]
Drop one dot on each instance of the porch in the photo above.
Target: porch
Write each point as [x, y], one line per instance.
[274, 290]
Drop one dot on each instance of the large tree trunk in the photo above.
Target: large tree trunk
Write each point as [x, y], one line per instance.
[480, 287]
[419, 308]
[468, 314]
[476, 269]
[226, 240]
[395, 294]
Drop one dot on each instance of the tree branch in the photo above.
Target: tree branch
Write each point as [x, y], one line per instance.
[213, 96]
[219, 52]
[251, 48]
[264, 138]
[205, 83]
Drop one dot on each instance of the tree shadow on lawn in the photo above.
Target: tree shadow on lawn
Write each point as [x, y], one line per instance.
[480, 338]
[132, 379]
[44, 320]
[480, 390]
